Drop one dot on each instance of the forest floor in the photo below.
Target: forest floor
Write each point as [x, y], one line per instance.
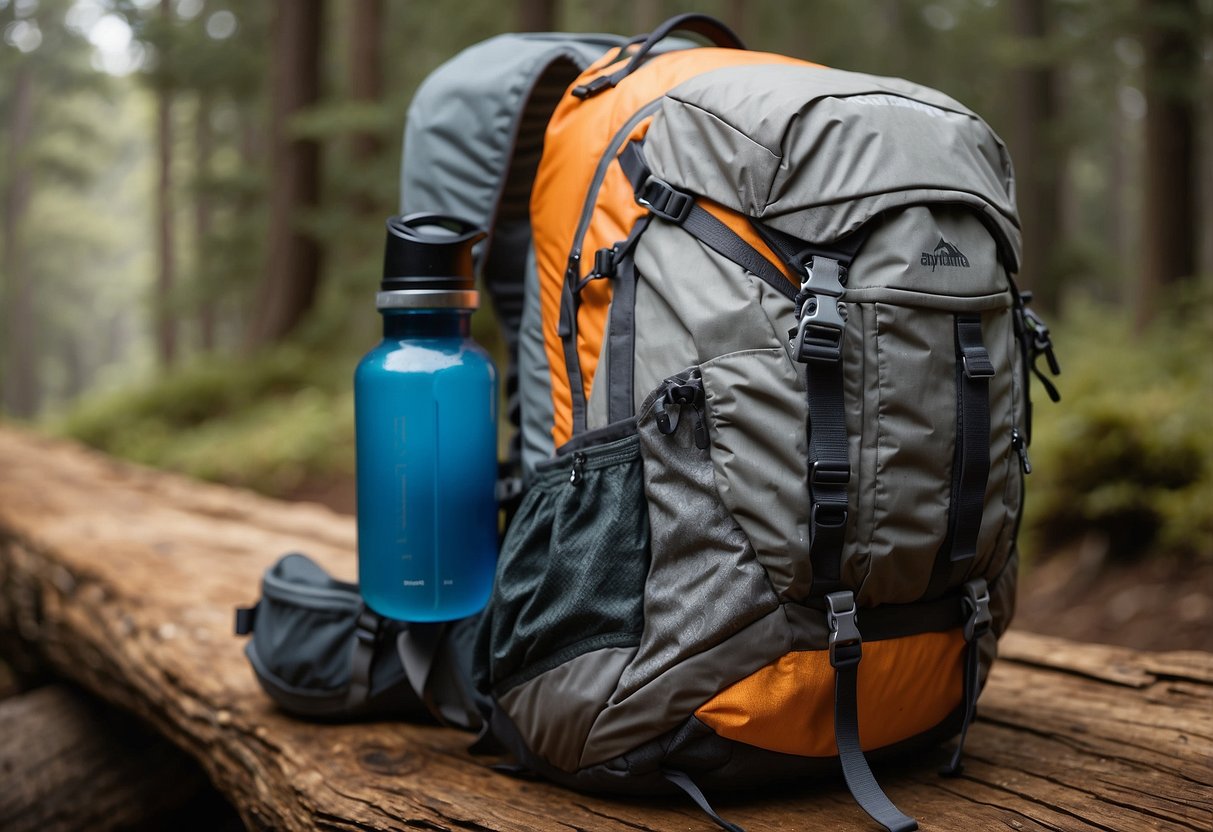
[1077, 592]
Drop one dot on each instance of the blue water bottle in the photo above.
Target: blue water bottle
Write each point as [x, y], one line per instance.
[425, 403]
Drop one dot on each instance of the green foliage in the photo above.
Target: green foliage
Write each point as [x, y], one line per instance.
[270, 424]
[1128, 453]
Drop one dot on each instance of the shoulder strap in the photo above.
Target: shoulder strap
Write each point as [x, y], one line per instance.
[472, 143]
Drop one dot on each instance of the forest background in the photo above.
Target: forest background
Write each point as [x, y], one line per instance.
[193, 194]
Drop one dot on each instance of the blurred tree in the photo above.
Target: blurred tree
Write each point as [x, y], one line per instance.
[21, 389]
[1039, 162]
[537, 15]
[366, 84]
[166, 241]
[294, 257]
[1171, 40]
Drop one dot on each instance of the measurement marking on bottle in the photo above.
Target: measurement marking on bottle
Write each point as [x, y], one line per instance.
[415, 583]
[448, 582]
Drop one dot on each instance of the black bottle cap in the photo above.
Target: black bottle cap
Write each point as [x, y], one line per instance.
[429, 251]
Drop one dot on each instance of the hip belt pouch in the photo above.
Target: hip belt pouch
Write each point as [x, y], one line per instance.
[319, 652]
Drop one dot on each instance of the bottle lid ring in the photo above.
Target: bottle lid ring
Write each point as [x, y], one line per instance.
[428, 299]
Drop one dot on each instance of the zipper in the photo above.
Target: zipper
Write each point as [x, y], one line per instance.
[682, 394]
[577, 475]
[1021, 448]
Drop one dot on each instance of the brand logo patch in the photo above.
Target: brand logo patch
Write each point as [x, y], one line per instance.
[945, 254]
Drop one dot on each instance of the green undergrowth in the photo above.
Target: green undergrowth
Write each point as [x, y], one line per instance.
[271, 422]
[1128, 453]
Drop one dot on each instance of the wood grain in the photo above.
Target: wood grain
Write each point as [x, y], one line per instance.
[126, 578]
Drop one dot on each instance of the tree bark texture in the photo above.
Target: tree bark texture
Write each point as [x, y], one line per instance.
[166, 254]
[1038, 159]
[19, 375]
[70, 762]
[293, 268]
[1169, 209]
[125, 579]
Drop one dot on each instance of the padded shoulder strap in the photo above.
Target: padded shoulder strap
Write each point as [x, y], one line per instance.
[472, 144]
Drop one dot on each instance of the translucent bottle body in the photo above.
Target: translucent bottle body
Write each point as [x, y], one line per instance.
[425, 404]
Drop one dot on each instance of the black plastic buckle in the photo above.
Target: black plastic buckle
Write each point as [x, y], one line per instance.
[664, 200]
[846, 645]
[819, 335]
[830, 472]
[246, 619]
[589, 90]
[1042, 342]
[604, 262]
[977, 603]
[976, 362]
[366, 631]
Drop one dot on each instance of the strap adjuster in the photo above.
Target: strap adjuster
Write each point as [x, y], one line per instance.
[822, 314]
[977, 604]
[366, 631]
[664, 200]
[846, 644]
[830, 472]
[592, 88]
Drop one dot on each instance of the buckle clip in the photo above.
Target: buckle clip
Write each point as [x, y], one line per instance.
[664, 200]
[822, 316]
[976, 363]
[977, 602]
[846, 644]
[830, 472]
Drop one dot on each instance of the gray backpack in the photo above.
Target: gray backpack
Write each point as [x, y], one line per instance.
[770, 371]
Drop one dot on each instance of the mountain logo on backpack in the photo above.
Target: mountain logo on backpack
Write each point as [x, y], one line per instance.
[945, 254]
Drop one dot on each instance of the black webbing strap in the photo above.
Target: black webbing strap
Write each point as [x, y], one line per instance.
[621, 340]
[977, 607]
[818, 344]
[668, 203]
[683, 781]
[972, 467]
[846, 650]
[366, 637]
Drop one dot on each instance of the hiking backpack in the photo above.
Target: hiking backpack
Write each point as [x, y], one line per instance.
[769, 373]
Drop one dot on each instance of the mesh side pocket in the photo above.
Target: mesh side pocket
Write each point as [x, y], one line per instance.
[572, 569]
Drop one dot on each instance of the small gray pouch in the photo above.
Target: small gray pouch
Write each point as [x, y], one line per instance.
[319, 652]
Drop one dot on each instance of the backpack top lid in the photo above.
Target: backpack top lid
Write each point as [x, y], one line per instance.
[817, 152]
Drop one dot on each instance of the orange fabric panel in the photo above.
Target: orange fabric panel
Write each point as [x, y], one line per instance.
[906, 686]
[576, 139]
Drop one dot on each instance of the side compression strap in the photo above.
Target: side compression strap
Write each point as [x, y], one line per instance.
[846, 649]
[977, 606]
[971, 469]
[621, 340]
[672, 205]
[818, 345]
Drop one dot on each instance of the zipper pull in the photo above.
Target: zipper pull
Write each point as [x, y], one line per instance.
[687, 393]
[578, 473]
[1021, 448]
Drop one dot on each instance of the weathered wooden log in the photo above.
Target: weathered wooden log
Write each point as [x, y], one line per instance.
[126, 579]
[68, 762]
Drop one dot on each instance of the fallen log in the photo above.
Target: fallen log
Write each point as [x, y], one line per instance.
[126, 578]
[69, 762]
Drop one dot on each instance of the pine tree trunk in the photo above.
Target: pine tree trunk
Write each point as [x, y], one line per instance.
[204, 144]
[366, 66]
[1169, 224]
[20, 377]
[1038, 162]
[166, 324]
[292, 274]
[537, 15]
